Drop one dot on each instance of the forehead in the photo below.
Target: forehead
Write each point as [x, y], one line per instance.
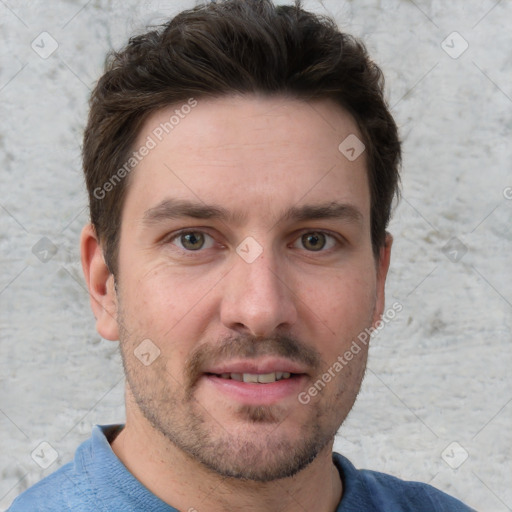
[250, 154]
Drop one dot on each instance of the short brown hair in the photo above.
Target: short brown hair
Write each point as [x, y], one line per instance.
[233, 47]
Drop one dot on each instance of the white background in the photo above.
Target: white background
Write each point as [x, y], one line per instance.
[438, 374]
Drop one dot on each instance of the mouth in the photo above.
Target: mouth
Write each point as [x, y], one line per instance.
[255, 378]
[264, 382]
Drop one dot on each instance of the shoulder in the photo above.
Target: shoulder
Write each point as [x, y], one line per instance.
[382, 493]
[55, 492]
[68, 488]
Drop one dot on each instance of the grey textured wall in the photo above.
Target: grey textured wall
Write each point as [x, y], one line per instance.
[436, 405]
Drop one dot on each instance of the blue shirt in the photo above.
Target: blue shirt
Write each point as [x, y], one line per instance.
[96, 480]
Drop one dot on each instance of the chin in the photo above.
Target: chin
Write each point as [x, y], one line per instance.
[259, 462]
[257, 448]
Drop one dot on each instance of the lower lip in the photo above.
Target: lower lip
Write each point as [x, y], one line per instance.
[249, 393]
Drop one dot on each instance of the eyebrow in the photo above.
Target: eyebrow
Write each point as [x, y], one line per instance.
[172, 208]
[331, 210]
[179, 208]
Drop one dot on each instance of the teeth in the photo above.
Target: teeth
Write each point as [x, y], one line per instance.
[262, 378]
[267, 378]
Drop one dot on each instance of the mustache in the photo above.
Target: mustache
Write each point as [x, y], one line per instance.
[249, 347]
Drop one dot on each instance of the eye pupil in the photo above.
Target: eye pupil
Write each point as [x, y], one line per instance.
[192, 241]
[313, 241]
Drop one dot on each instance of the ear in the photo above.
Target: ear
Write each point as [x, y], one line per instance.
[100, 283]
[382, 272]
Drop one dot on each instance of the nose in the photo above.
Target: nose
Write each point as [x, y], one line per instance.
[258, 297]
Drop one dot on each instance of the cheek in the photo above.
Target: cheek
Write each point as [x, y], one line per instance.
[167, 304]
[344, 303]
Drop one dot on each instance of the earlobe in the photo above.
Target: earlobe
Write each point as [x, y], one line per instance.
[100, 283]
[382, 272]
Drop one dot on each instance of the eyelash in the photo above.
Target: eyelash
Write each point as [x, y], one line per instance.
[338, 241]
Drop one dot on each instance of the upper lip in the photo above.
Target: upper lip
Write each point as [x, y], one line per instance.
[257, 366]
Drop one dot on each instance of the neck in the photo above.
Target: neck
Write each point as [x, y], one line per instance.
[186, 484]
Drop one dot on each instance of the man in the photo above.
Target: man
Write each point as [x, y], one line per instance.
[241, 163]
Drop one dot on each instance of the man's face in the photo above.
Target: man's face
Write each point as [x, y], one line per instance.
[245, 254]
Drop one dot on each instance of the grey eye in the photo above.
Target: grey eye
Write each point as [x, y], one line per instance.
[313, 241]
[193, 240]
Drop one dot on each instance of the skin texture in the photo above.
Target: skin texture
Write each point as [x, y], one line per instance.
[190, 439]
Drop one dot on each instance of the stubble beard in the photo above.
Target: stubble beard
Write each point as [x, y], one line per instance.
[259, 449]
